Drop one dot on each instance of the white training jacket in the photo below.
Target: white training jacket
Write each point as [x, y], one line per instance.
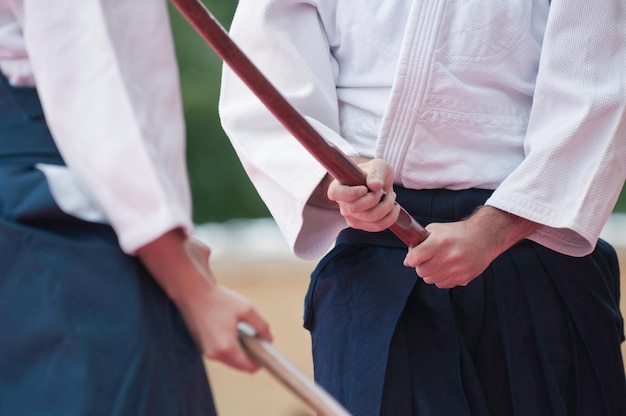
[518, 96]
[107, 78]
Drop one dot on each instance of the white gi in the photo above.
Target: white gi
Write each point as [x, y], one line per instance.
[526, 98]
[92, 332]
[147, 141]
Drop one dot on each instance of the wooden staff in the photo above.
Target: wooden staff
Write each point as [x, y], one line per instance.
[338, 164]
[268, 357]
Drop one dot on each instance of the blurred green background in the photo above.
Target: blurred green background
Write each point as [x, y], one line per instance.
[221, 190]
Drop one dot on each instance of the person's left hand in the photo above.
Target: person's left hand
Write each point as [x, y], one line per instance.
[455, 253]
[180, 265]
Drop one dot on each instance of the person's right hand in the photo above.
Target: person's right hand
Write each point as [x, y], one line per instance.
[371, 207]
[211, 312]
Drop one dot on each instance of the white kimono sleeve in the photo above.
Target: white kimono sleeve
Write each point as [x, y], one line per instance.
[108, 81]
[575, 162]
[290, 48]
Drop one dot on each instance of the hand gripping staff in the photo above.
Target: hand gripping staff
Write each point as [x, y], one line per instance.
[307, 390]
[340, 166]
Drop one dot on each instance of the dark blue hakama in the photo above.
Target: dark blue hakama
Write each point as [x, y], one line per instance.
[538, 333]
[84, 330]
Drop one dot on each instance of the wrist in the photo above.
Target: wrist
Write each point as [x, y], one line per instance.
[178, 265]
[319, 197]
[501, 229]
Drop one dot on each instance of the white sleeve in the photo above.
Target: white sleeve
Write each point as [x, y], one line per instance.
[290, 48]
[107, 77]
[575, 162]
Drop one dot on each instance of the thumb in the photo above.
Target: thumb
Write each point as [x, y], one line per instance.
[376, 176]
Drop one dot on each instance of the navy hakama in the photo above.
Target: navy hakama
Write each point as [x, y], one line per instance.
[538, 333]
[84, 330]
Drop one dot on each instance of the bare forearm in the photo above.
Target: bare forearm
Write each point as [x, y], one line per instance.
[174, 264]
[500, 229]
[180, 265]
[319, 197]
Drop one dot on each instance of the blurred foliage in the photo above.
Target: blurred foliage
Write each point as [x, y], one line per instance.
[621, 202]
[220, 187]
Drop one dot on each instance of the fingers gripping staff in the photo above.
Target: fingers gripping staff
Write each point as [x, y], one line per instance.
[311, 393]
[340, 166]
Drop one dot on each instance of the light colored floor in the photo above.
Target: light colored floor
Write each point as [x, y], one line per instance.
[277, 289]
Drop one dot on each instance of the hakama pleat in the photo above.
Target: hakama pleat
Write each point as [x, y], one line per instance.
[538, 333]
[84, 329]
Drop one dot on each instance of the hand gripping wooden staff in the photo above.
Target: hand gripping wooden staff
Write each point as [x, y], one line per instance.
[307, 390]
[339, 165]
